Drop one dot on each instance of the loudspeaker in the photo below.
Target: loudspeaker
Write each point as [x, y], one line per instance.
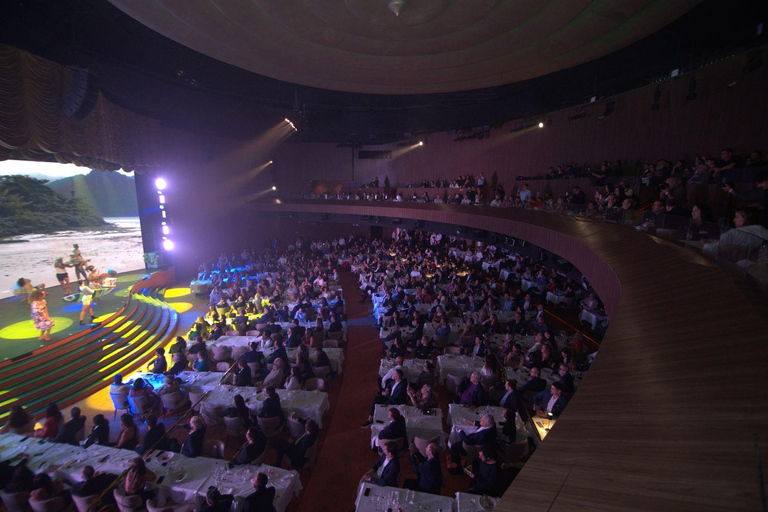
[82, 94]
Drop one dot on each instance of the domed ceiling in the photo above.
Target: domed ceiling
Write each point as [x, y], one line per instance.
[430, 46]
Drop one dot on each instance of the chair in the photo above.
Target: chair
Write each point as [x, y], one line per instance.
[125, 503]
[473, 452]
[489, 381]
[258, 461]
[270, 426]
[452, 382]
[431, 381]
[317, 339]
[238, 352]
[119, 402]
[454, 351]
[52, 505]
[232, 333]
[234, 427]
[173, 403]
[515, 452]
[210, 414]
[329, 343]
[195, 395]
[441, 341]
[321, 372]
[16, 501]
[139, 405]
[213, 448]
[221, 353]
[83, 502]
[252, 333]
[314, 384]
[222, 366]
[295, 428]
[422, 444]
[336, 335]
[255, 369]
[191, 358]
[170, 506]
[399, 442]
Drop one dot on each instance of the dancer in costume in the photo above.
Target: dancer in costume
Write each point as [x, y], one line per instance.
[86, 295]
[62, 275]
[39, 307]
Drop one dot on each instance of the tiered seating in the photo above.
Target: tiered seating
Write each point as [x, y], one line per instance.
[76, 367]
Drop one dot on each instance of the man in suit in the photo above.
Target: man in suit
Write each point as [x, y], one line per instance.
[69, 430]
[294, 338]
[254, 446]
[566, 379]
[428, 469]
[535, 382]
[240, 322]
[485, 436]
[158, 365]
[155, 432]
[254, 355]
[93, 483]
[540, 326]
[271, 407]
[297, 450]
[396, 395]
[470, 392]
[321, 358]
[279, 353]
[243, 374]
[476, 349]
[517, 325]
[261, 499]
[510, 400]
[300, 330]
[550, 401]
[386, 471]
[395, 429]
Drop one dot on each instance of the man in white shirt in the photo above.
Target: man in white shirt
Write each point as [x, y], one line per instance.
[525, 193]
[390, 375]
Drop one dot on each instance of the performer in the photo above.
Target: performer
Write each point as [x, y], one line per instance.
[86, 295]
[23, 287]
[62, 275]
[39, 307]
[77, 260]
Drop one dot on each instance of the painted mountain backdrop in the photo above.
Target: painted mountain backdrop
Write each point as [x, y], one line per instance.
[110, 194]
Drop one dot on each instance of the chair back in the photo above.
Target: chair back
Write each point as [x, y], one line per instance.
[255, 368]
[331, 343]
[80, 434]
[431, 381]
[221, 353]
[83, 502]
[314, 384]
[210, 414]
[55, 504]
[238, 352]
[172, 401]
[213, 448]
[195, 394]
[138, 404]
[454, 351]
[321, 372]
[15, 501]
[336, 335]
[489, 381]
[270, 426]
[232, 333]
[125, 503]
[260, 327]
[252, 333]
[473, 452]
[441, 341]
[422, 444]
[317, 338]
[452, 382]
[514, 452]
[222, 366]
[192, 358]
[234, 426]
[222, 311]
[295, 428]
[119, 401]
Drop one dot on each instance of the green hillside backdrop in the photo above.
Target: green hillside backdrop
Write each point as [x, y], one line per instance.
[110, 194]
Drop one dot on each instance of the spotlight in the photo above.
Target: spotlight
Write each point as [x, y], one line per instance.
[163, 212]
[541, 125]
[421, 143]
[274, 188]
[163, 223]
[166, 230]
[162, 207]
[269, 162]
[160, 184]
[168, 245]
[162, 199]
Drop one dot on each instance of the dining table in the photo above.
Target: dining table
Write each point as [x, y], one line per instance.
[376, 498]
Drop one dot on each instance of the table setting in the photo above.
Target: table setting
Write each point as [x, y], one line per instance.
[417, 424]
[307, 404]
[466, 502]
[375, 498]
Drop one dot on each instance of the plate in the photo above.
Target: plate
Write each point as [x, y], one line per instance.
[486, 503]
[181, 477]
[165, 457]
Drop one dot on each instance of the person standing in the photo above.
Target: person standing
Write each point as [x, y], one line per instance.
[39, 308]
[86, 296]
[62, 275]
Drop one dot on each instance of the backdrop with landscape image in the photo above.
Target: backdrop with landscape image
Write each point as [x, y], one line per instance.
[45, 207]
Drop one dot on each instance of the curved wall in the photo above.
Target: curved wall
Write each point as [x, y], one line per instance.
[667, 416]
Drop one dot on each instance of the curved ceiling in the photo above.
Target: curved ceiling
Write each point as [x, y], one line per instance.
[432, 46]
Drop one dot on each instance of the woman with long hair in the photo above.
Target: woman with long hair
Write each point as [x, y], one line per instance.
[40, 317]
[62, 276]
[53, 420]
[129, 434]
[136, 479]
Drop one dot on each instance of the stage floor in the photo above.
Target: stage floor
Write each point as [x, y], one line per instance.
[18, 334]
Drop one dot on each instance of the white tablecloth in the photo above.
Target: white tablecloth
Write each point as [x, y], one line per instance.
[411, 368]
[307, 404]
[237, 481]
[416, 423]
[592, 317]
[382, 498]
[461, 366]
[466, 502]
[459, 418]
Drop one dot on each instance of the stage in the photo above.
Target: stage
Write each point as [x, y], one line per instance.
[18, 335]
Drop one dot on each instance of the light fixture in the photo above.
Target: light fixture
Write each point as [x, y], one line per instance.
[160, 184]
[421, 143]
[162, 199]
[168, 245]
[541, 125]
[162, 207]
[163, 212]
[166, 230]
[396, 6]
[274, 188]
[269, 162]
